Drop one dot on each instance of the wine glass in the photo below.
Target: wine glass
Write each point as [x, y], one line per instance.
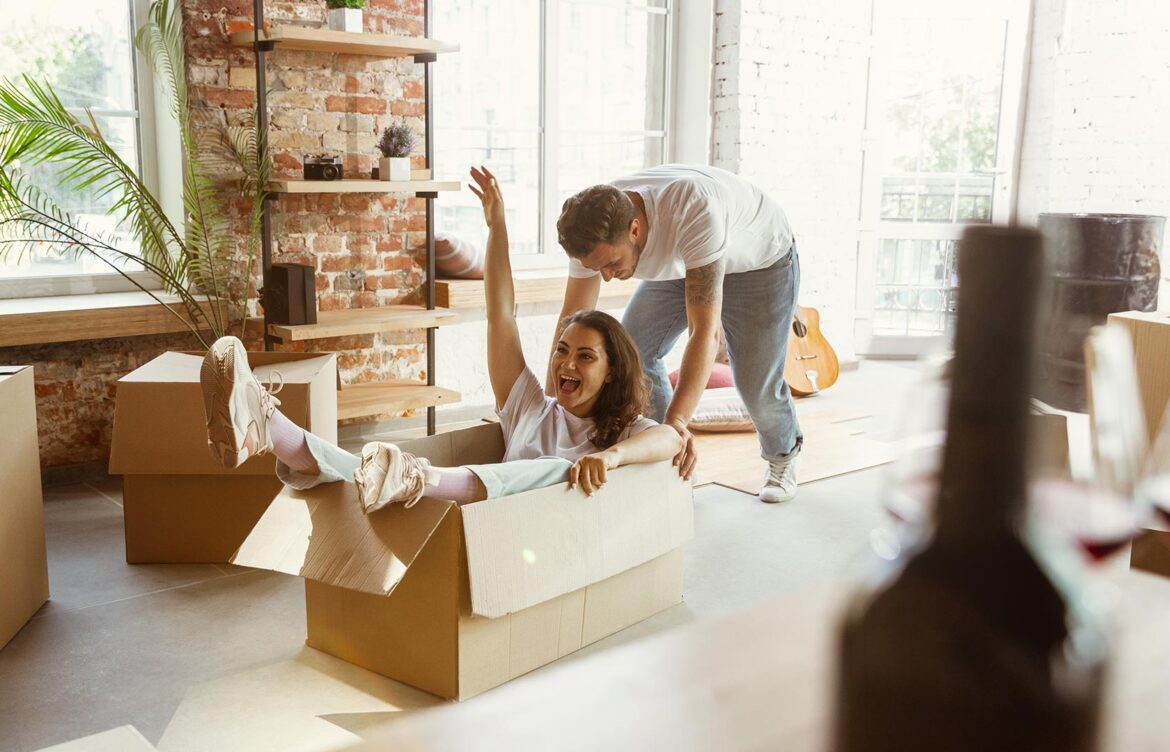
[1100, 514]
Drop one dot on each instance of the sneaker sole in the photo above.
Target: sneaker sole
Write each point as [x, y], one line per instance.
[218, 377]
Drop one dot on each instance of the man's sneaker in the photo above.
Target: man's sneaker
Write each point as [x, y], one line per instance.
[780, 483]
[236, 404]
[389, 475]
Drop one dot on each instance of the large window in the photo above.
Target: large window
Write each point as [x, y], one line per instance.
[944, 100]
[84, 49]
[552, 95]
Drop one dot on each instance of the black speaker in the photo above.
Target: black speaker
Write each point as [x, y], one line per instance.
[290, 295]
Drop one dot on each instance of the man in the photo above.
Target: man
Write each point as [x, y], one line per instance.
[710, 248]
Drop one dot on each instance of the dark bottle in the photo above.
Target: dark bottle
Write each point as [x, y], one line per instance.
[968, 643]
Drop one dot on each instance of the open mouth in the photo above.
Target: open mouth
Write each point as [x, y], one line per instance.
[568, 384]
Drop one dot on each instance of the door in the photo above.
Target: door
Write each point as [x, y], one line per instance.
[940, 146]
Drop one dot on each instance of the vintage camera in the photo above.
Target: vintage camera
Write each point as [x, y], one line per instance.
[322, 167]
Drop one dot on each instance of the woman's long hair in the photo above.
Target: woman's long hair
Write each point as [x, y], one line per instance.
[624, 398]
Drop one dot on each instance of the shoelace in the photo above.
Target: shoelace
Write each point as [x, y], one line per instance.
[776, 476]
[272, 390]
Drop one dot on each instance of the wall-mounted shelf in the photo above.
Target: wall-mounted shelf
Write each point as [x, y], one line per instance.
[353, 321]
[362, 186]
[469, 293]
[351, 43]
[387, 397]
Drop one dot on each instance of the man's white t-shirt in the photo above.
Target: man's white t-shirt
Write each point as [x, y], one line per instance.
[536, 425]
[699, 214]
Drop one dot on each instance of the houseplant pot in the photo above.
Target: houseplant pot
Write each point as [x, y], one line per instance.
[396, 144]
[346, 15]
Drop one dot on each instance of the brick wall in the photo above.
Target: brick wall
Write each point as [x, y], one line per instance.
[369, 249]
[1095, 130]
[790, 82]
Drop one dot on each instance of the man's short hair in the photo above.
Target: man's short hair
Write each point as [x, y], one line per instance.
[600, 214]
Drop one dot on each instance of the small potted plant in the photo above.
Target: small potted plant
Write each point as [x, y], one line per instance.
[345, 15]
[396, 144]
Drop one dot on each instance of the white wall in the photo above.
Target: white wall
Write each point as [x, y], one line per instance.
[790, 85]
[1097, 121]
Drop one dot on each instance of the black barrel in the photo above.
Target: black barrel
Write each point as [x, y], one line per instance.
[1100, 264]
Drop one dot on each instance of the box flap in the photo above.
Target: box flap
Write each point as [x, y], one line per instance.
[121, 739]
[160, 426]
[322, 534]
[527, 548]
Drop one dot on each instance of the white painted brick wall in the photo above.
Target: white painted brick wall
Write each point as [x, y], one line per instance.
[1097, 125]
[790, 82]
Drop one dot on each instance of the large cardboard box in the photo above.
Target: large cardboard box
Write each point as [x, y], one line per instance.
[1150, 333]
[24, 574]
[121, 739]
[458, 599]
[180, 504]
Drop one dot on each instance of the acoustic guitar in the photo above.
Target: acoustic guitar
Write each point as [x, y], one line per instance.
[810, 365]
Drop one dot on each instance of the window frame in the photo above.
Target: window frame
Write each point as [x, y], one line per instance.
[148, 143]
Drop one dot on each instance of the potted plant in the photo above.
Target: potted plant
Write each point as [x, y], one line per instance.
[346, 15]
[196, 262]
[396, 144]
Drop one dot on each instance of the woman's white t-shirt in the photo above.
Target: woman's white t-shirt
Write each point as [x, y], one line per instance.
[698, 215]
[536, 425]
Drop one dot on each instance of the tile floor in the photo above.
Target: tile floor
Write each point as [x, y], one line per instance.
[212, 657]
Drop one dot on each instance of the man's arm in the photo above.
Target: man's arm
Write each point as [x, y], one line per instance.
[704, 299]
[581, 294]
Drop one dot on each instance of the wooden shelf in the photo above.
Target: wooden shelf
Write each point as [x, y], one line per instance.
[345, 42]
[345, 323]
[381, 398]
[73, 318]
[362, 186]
[468, 293]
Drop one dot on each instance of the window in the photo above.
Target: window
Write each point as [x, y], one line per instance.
[552, 95]
[85, 50]
[944, 99]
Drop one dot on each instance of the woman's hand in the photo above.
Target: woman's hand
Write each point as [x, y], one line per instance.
[590, 471]
[489, 195]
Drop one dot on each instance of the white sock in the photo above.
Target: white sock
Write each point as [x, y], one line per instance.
[288, 442]
[455, 483]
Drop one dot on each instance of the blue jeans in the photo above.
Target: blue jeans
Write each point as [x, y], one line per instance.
[757, 317]
[499, 479]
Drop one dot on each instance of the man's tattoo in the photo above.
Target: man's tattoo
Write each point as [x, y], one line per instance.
[704, 285]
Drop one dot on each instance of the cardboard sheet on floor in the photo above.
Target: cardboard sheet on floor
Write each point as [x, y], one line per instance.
[121, 739]
[456, 600]
[24, 575]
[180, 504]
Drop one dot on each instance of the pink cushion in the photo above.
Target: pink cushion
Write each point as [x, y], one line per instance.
[456, 257]
[720, 377]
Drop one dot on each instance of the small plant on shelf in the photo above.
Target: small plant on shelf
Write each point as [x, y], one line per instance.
[345, 15]
[396, 144]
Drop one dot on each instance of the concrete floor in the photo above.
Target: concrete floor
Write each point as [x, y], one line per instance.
[212, 657]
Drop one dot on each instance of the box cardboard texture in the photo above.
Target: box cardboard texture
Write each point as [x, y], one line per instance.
[456, 599]
[1150, 333]
[25, 578]
[180, 504]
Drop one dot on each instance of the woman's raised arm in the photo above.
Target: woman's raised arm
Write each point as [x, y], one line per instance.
[505, 356]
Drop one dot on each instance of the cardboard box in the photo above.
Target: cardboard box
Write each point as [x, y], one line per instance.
[1150, 333]
[456, 600]
[180, 504]
[23, 566]
[121, 739]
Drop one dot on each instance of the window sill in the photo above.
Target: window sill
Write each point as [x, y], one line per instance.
[531, 287]
[74, 318]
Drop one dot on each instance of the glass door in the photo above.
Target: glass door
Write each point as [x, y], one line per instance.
[940, 146]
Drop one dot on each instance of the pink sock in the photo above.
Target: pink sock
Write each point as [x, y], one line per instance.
[455, 483]
[288, 442]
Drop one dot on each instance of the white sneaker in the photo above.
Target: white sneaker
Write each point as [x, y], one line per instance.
[389, 475]
[780, 482]
[237, 406]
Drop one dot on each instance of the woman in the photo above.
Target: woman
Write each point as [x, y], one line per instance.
[592, 425]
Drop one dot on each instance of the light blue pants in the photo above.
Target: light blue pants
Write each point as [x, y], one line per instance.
[500, 479]
[757, 317]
